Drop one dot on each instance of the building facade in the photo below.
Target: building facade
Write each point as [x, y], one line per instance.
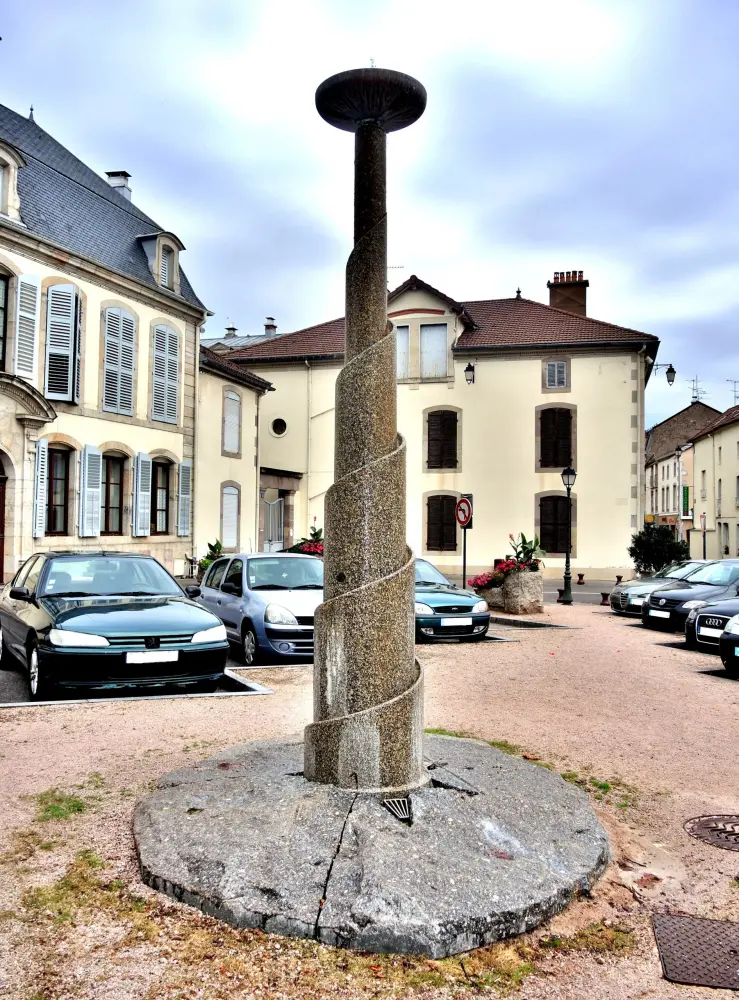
[495, 398]
[716, 463]
[99, 336]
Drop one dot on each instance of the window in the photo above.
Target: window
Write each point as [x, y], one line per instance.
[31, 580]
[119, 330]
[10, 163]
[231, 423]
[160, 498]
[703, 484]
[674, 497]
[737, 493]
[166, 267]
[441, 524]
[230, 517]
[663, 473]
[442, 439]
[166, 380]
[58, 492]
[402, 351]
[111, 496]
[719, 454]
[555, 375]
[553, 524]
[279, 426]
[63, 354]
[718, 491]
[235, 577]
[3, 318]
[433, 350]
[555, 438]
[725, 540]
[215, 574]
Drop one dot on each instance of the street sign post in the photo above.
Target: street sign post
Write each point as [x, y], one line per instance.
[703, 529]
[463, 513]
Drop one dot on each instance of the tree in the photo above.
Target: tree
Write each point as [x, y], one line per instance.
[655, 546]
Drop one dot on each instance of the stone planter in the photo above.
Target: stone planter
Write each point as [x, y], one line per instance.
[523, 593]
[494, 597]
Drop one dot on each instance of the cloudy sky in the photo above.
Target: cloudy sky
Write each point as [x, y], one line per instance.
[592, 134]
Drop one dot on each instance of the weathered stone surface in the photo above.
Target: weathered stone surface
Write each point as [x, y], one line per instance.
[496, 846]
[493, 595]
[523, 593]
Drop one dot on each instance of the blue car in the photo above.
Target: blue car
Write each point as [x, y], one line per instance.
[443, 611]
[267, 601]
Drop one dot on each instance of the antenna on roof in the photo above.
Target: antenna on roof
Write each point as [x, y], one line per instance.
[372, 63]
[30, 115]
[734, 384]
[698, 393]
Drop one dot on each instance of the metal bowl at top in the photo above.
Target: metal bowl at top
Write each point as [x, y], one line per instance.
[393, 100]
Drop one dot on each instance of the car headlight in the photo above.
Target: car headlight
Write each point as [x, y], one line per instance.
[423, 609]
[694, 604]
[275, 614]
[63, 637]
[480, 606]
[215, 634]
[692, 615]
[732, 625]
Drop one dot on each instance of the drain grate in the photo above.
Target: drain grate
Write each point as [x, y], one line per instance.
[719, 831]
[698, 952]
[400, 808]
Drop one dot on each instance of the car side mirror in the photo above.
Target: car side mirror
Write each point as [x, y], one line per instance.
[193, 591]
[231, 588]
[20, 594]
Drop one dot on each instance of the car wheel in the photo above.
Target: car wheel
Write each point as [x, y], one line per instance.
[204, 687]
[691, 643]
[38, 687]
[249, 645]
[731, 668]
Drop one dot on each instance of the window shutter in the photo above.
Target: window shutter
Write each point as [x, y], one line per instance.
[553, 517]
[435, 439]
[165, 267]
[402, 351]
[91, 474]
[26, 327]
[60, 342]
[118, 361]
[77, 350]
[448, 524]
[231, 422]
[230, 517]
[142, 495]
[556, 374]
[449, 439]
[564, 437]
[128, 343]
[555, 427]
[547, 431]
[166, 382]
[184, 497]
[173, 375]
[433, 350]
[41, 488]
[433, 524]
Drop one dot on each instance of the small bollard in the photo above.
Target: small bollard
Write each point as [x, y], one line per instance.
[619, 578]
[560, 591]
[581, 579]
[604, 601]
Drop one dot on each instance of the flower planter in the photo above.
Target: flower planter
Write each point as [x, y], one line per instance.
[523, 593]
[494, 597]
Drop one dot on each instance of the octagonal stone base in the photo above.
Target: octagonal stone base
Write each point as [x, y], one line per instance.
[495, 846]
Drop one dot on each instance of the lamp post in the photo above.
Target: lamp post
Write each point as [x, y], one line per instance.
[669, 374]
[568, 478]
[469, 373]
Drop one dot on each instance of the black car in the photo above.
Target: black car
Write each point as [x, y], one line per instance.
[629, 598]
[704, 626]
[669, 606]
[729, 648]
[107, 620]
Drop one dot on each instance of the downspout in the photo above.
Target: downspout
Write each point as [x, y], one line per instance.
[257, 476]
[641, 498]
[309, 402]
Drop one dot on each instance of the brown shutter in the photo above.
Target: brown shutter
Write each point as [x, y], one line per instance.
[448, 524]
[436, 439]
[433, 524]
[547, 435]
[564, 437]
[449, 439]
[553, 517]
[555, 430]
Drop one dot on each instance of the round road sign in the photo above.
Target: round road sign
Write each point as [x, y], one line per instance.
[463, 512]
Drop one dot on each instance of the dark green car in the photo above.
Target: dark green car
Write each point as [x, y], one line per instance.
[443, 611]
[107, 620]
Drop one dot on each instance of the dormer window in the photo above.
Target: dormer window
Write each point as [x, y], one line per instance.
[162, 251]
[10, 162]
[165, 267]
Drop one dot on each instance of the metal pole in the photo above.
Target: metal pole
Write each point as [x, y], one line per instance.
[567, 592]
[464, 558]
[704, 543]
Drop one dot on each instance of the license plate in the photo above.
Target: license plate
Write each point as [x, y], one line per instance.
[736, 650]
[659, 614]
[714, 632]
[637, 600]
[154, 656]
[456, 621]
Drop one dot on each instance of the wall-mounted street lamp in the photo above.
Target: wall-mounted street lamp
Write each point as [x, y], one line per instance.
[568, 479]
[669, 374]
[469, 373]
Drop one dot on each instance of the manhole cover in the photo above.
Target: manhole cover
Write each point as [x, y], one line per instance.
[719, 831]
[698, 952]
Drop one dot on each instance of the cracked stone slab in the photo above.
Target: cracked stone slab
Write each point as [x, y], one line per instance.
[498, 848]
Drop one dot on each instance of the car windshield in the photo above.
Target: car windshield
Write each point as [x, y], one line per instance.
[426, 573]
[683, 571]
[107, 576]
[719, 574]
[285, 573]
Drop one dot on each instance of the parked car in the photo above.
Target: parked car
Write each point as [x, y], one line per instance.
[443, 611]
[267, 602]
[704, 626]
[628, 598]
[107, 620]
[729, 647]
[668, 606]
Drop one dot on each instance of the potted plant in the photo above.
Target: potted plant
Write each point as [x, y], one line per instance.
[489, 586]
[214, 551]
[515, 583]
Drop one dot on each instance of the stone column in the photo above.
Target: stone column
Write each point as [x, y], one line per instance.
[368, 700]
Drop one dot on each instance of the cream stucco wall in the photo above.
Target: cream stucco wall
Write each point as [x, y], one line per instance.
[216, 468]
[724, 466]
[496, 446]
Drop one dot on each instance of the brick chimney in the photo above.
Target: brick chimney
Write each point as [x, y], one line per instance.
[118, 179]
[270, 327]
[568, 291]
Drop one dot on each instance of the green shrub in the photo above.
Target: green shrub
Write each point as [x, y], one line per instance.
[655, 546]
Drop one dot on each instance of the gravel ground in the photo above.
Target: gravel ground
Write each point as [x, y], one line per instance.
[609, 702]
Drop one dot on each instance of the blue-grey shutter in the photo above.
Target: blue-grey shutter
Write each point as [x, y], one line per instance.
[184, 497]
[60, 342]
[118, 361]
[402, 351]
[26, 327]
[166, 377]
[40, 488]
[128, 361]
[77, 350]
[91, 475]
[173, 375]
[142, 495]
[433, 350]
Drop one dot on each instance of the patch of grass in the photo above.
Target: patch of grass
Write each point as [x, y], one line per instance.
[503, 745]
[602, 786]
[53, 804]
[94, 780]
[734, 884]
[597, 937]
[574, 778]
[24, 844]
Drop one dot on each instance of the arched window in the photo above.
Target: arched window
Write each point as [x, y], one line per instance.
[111, 495]
[231, 431]
[555, 437]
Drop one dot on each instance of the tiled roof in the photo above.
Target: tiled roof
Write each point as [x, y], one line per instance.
[64, 201]
[730, 416]
[664, 438]
[216, 363]
[498, 323]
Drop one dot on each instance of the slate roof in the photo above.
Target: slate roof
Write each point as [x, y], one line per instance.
[216, 363]
[64, 201]
[730, 416]
[664, 437]
[233, 343]
[492, 324]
